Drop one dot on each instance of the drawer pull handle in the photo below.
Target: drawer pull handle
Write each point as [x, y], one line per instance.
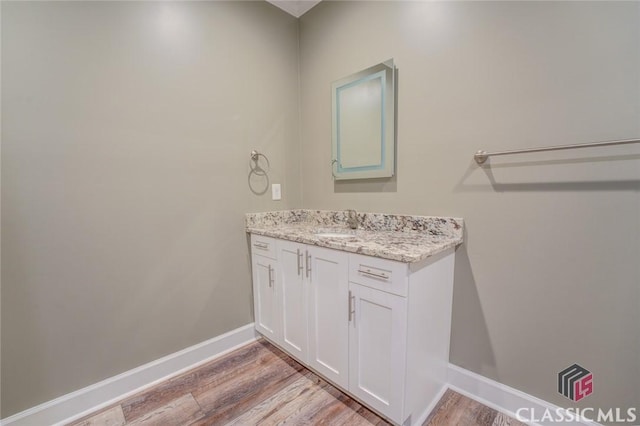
[262, 246]
[373, 274]
[270, 276]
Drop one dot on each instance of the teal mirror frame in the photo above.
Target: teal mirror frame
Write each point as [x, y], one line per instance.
[363, 135]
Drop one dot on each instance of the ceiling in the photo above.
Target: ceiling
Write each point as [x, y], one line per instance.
[296, 8]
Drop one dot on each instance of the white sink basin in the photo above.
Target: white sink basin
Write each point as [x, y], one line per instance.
[335, 235]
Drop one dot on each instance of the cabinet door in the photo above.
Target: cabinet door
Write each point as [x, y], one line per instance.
[377, 341]
[264, 297]
[293, 298]
[328, 313]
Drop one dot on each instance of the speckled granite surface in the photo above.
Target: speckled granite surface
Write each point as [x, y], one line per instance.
[389, 236]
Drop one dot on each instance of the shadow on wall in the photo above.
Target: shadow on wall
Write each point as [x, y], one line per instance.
[582, 185]
[366, 185]
[469, 326]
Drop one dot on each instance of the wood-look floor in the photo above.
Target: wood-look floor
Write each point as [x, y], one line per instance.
[260, 384]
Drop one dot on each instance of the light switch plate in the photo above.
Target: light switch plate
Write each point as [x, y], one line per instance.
[276, 192]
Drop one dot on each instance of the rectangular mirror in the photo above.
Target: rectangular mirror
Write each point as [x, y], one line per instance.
[363, 120]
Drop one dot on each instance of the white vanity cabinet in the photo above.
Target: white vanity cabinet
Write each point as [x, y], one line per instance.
[328, 314]
[313, 290]
[264, 266]
[378, 329]
[293, 297]
[400, 332]
[377, 346]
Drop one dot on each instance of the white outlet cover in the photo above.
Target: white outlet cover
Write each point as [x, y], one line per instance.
[276, 191]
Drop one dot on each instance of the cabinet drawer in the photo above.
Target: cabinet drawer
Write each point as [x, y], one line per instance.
[381, 274]
[264, 246]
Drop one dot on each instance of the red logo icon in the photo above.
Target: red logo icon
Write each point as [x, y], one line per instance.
[575, 382]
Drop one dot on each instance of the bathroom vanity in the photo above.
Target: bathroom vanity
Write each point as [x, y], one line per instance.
[368, 309]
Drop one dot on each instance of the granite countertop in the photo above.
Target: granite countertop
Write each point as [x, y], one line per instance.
[403, 238]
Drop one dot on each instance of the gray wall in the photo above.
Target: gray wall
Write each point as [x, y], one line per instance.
[548, 275]
[126, 130]
[126, 134]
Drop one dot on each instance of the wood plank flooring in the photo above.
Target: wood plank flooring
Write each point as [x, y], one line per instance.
[260, 384]
[455, 409]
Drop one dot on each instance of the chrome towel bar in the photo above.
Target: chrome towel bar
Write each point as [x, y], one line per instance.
[482, 156]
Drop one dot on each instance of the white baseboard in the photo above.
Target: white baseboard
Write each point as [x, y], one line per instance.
[504, 398]
[77, 404]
